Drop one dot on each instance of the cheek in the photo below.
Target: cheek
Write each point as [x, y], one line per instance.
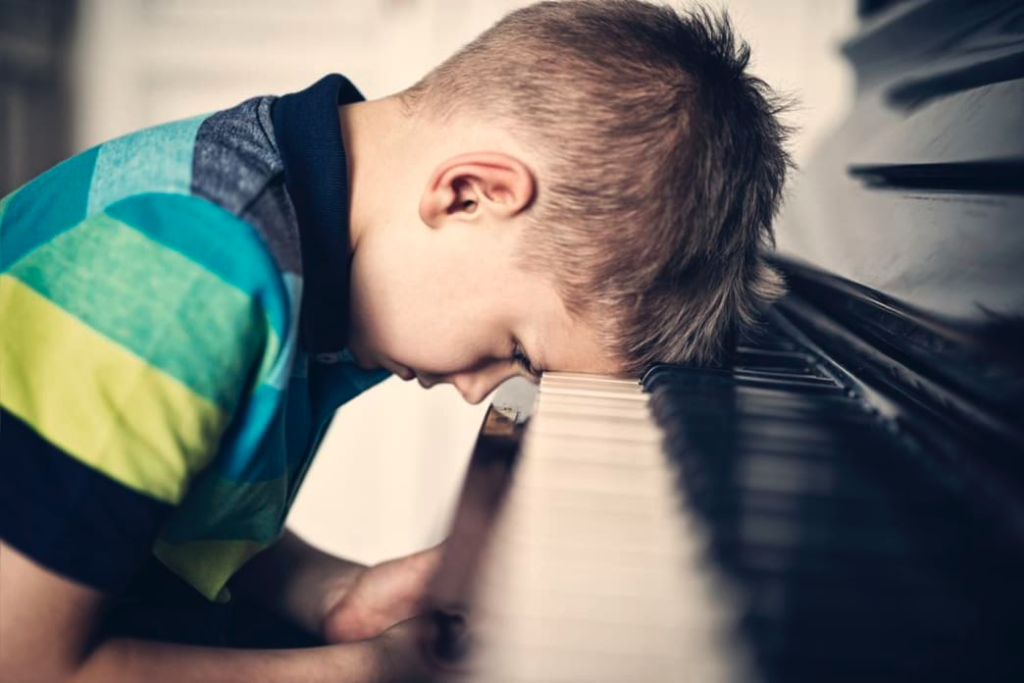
[400, 324]
[447, 349]
[395, 302]
[441, 349]
[377, 318]
[428, 319]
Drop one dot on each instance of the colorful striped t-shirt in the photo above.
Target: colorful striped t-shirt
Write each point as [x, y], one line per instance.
[173, 314]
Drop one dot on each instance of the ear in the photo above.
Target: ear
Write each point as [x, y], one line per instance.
[468, 186]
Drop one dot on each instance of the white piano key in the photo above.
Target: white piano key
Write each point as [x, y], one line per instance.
[595, 571]
[583, 378]
[583, 398]
[625, 609]
[592, 524]
[665, 503]
[604, 392]
[598, 429]
[635, 411]
[589, 477]
[693, 657]
[582, 389]
[595, 407]
[560, 447]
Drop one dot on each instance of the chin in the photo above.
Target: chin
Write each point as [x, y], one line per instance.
[396, 368]
[360, 357]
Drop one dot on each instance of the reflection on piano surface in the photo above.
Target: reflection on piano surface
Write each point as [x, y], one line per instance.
[844, 500]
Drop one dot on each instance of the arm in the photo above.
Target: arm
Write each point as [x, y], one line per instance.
[334, 599]
[47, 625]
[297, 581]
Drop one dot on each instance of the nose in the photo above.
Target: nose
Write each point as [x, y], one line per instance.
[475, 386]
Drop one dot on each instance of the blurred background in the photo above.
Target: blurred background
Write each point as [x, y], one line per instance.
[76, 73]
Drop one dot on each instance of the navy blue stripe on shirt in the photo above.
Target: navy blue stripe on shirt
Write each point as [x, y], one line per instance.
[68, 517]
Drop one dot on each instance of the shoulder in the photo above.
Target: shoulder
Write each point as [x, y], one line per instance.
[196, 233]
[175, 280]
[131, 338]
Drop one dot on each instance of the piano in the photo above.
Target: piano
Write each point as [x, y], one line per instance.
[841, 501]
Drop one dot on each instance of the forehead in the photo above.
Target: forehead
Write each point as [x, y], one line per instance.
[554, 339]
[568, 344]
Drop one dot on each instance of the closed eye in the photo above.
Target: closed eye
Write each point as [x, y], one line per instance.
[520, 358]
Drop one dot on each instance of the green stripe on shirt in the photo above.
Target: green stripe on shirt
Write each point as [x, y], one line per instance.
[157, 303]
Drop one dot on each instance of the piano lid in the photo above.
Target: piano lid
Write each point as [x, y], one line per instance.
[919, 194]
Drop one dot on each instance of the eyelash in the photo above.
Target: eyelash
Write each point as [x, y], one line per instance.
[519, 357]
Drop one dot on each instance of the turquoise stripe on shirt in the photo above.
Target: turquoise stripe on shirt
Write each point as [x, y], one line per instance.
[47, 206]
[159, 161]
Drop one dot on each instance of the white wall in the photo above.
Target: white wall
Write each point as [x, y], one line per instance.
[390, 467]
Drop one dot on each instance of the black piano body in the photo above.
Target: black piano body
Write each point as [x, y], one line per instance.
[859, 464]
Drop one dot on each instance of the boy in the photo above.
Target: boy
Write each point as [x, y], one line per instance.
[586, 187]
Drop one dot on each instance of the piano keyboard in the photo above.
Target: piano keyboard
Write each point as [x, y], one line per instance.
[758, 523]
[589, 545]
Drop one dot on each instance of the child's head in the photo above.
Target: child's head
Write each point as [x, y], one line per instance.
[642, 167]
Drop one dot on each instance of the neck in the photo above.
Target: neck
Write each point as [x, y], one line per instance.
[377, 137]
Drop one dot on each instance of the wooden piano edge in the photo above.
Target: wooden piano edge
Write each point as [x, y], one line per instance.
[444, 636]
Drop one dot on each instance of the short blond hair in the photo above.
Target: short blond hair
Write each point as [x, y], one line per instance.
[665, 166]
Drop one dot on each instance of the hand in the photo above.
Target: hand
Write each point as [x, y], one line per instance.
[420, 650]
[379, 597]
[400, 653]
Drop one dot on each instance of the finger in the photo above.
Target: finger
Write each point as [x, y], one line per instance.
[450, 638]
[405, 652]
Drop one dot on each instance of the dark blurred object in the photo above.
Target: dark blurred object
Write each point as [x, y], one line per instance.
[159, 606]
[866, 8]
[35, 98]
[919, 194]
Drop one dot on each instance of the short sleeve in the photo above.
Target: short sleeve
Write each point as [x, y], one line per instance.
[128, 341]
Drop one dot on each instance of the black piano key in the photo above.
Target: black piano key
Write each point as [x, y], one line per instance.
[776, 361]
[850, 563]
[694, 378]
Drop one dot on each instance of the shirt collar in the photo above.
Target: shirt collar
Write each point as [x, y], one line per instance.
[316, 176]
